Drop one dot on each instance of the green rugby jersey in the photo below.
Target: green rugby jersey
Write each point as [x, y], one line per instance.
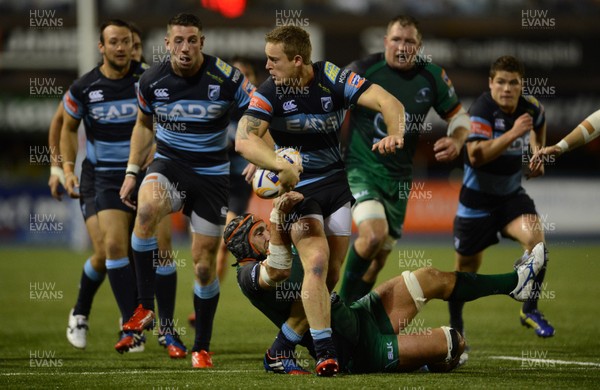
[426, 85]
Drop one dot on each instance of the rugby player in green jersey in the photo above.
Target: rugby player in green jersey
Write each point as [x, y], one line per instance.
[381, 183]
[375, 333]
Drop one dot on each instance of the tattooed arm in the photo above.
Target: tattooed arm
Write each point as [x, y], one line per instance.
[250, 144]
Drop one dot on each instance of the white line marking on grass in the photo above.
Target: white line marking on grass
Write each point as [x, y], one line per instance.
[548, 361]
[145, 372]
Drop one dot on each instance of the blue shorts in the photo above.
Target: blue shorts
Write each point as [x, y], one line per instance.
[472, 235]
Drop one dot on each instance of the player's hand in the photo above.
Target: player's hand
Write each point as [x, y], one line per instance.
[389, 144]
[543, 155]
[248, 172]
[289, 176]
[536, 169]
[127, 189]
[523, 124]
[446, 149]
[72, 185]
[286, 202]
[55, 187]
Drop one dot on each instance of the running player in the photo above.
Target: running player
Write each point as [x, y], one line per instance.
[492, 200]
[302, 105]
[189, 97]
[105, 99]
[368, 333]
[381, 184]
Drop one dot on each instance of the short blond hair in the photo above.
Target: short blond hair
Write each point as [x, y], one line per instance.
[295, 40]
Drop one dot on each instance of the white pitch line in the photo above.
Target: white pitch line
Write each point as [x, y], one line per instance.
[195, 372]
[553, 361]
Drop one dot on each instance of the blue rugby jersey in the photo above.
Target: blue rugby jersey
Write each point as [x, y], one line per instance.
[108, 109]
[484, 186]
[308, 118]
[192, 113]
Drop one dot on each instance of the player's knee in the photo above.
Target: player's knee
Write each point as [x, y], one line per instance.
[98, 262]
[373, 240]
[115, 248]
[317, 266]
[455, 347]
[146, 217]
[203, 272]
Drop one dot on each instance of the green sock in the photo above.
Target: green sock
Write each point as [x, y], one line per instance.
[353, 287]
[470, 286]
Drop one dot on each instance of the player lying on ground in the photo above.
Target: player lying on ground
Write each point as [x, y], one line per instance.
[368, 333]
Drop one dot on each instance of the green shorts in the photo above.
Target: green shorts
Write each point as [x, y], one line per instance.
[392, 194]
[366, 322]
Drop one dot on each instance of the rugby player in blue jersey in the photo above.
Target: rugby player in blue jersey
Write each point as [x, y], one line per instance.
[303, 106]
[104, 99]
[188, 98]
[94, 268]
[492, 201]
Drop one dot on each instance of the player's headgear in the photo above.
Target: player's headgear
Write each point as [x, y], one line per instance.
[237, 237]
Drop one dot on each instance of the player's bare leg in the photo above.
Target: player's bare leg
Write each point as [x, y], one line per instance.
[223, 253]
[97, 258]
[338, 245]
[439, 349]
[309, 238]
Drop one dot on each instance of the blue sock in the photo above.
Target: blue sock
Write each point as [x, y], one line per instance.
[285, 343]
[122, 283]
[146, 258]
[88, 286]
[166, 286]
[206, 299]
[323, 342]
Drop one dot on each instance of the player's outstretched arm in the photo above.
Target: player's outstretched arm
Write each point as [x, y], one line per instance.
[57, 175]
[482, 152]
[141, 143]
[584, 133]
[277, 267]
[378, 99]
[68, 148]
[250, 144]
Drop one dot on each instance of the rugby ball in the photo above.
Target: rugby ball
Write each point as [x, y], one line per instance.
[266, 183]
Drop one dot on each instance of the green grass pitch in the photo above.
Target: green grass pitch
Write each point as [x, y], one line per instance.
[39, 286]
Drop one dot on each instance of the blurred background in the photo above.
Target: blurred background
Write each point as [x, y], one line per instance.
[46, 44]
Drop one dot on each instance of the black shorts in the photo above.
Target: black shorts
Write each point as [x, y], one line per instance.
[472, 235]
[108, 185]
[239, 194]
[87, 193]
[205, 195]
[324, 197]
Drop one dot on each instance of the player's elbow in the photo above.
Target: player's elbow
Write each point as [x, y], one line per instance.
[476, 156]
[241, 147]
[279, 275]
